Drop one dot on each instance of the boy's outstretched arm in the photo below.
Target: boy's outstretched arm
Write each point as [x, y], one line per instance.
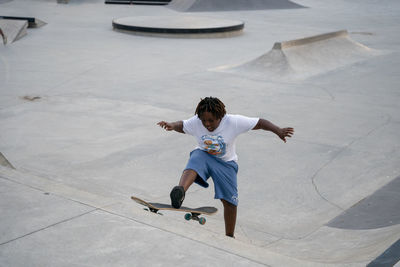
[269, 126]
[172, 126]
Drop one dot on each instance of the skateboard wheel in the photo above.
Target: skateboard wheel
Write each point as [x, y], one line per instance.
[188, 216]
[202, 221]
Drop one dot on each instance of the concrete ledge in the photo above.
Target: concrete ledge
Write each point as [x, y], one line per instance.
[138, 2]
[187, 27]
[32, 22]
[309, 40]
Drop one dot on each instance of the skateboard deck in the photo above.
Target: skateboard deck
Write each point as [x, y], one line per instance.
[192, 214]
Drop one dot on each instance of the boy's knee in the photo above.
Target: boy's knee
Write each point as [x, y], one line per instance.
[227, 204]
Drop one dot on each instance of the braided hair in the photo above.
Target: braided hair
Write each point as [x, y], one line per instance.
[212, 105]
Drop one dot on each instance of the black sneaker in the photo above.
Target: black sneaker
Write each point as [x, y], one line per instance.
[177, 196]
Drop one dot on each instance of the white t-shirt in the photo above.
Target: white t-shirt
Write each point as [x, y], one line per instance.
[222, 141]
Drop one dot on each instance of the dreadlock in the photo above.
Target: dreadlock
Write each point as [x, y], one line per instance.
[212, 105]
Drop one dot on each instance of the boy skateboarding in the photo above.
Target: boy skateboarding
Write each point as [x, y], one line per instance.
[215, 154]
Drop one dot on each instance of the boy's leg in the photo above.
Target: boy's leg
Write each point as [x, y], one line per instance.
[187, 179]
[230, 212]
[177, 194]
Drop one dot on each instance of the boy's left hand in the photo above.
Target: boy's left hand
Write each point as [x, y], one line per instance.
[285, 132]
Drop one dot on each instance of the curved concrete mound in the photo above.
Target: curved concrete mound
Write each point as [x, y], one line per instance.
[184, 27]
[303, 58]
[230, 5]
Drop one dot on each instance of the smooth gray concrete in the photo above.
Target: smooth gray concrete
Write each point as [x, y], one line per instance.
[79, 104]
[376, 211]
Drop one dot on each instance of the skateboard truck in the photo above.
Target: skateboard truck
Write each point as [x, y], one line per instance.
[195, 216]
[188, 216]
[153, 210]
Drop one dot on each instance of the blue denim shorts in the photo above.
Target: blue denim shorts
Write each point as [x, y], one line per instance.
[223, 173]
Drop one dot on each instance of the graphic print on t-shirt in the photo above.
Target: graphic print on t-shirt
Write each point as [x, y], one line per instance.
[214, 145]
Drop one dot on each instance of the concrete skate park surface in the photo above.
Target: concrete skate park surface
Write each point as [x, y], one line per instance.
[79, 103]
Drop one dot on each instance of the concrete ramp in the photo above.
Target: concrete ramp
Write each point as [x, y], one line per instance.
[230, 5]
[13, 30]
[302, 58]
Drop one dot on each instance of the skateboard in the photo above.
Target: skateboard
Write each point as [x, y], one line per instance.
[192, 214]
